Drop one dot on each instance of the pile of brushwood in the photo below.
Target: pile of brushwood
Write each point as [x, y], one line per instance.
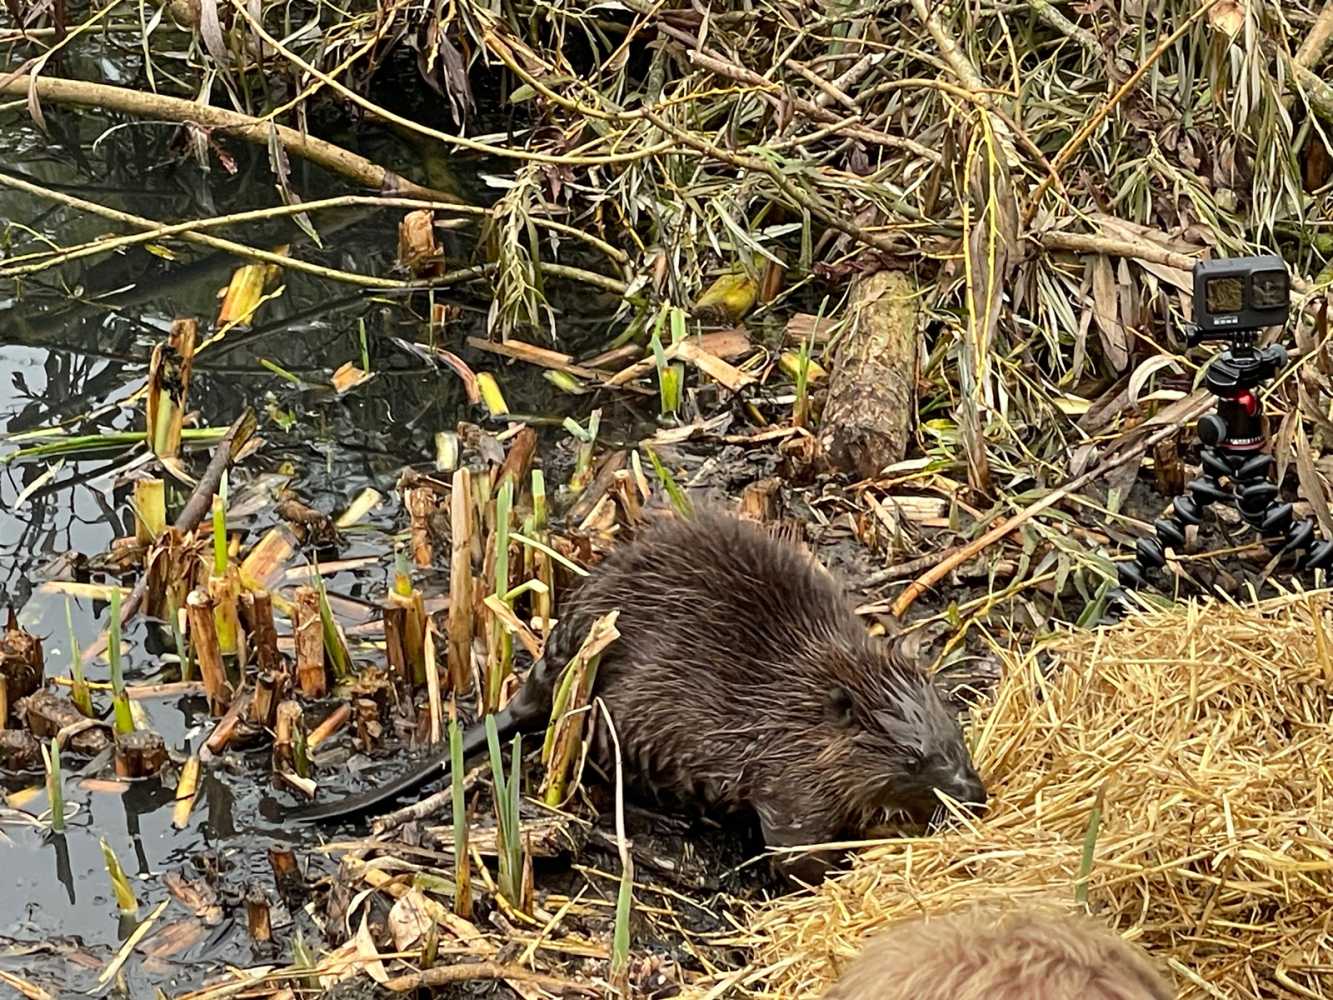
[1042, 178]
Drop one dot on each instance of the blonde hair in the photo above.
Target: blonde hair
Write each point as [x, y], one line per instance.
[990, 953]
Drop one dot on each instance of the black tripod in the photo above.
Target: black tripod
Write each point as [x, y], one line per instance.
[1233, 441]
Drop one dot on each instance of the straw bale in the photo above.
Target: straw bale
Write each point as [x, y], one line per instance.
[1207, 733]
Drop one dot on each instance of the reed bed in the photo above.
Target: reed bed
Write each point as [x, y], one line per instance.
[1195, 744]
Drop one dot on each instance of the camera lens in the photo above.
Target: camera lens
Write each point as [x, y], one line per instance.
[1268, 289]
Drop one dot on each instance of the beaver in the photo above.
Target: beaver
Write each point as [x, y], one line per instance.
[992, 952]
[742, 681]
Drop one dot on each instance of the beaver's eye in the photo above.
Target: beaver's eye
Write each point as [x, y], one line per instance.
[838, 707]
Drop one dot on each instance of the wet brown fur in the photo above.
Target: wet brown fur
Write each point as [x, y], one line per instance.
[743, 679]
[991, 953]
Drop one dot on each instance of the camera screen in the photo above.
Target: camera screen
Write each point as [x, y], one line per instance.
[1269, 289]
[1225, 295]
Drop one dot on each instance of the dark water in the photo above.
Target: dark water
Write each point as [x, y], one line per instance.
[77, 341]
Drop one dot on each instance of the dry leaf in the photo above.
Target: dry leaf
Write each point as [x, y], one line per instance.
[1106, 311]
[803, 327]
[418, 247]
[1284, 443]
[196, 896]
[1146, 370]
[369, 953]
[727, 299]
[173, 939]
[211, 28]
[246, 291]
[1312, 486]
[1228, 17]
[348, 377]
[409, 919]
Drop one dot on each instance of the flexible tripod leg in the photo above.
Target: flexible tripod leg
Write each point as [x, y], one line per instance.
[1185, 511]
[1258, 503]
[1255, 497]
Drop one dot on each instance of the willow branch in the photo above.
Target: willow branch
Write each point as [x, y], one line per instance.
[1095, 121]
[961, 555]
[215, 242]
[41, 260]
[137, 102]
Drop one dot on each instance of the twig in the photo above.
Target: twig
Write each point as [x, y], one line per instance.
[902, 569]
[1048, 13]
[962, 67]
[714, 63]
[613, 285]
[1319, 93]
[1094, 121]
[951, 562]
[830, 91]
[1141, 249]
[1317, 41]
[159, 106]
[466, 972]
[216, 242]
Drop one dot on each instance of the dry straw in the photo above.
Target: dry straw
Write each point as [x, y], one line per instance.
[1207, 733]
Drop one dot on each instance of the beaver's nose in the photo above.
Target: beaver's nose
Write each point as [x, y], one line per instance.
[974, 795]
[967, 789]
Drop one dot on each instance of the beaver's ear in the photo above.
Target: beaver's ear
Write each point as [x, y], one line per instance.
[838, 706]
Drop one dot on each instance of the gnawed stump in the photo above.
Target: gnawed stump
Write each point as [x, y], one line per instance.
[286, 873]
[19, 751]
[258, 607]
[289, 740]
[308, 631]
[204, 638]
[47, 714]
[872, 390]
[140, 754]
[761, 500]
[20, 661]
[270, 689]
[257, 914]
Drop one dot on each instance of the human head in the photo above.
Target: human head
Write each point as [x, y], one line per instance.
[993, 953]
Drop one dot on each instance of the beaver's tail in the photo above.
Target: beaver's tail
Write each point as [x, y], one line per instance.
[474, 740]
